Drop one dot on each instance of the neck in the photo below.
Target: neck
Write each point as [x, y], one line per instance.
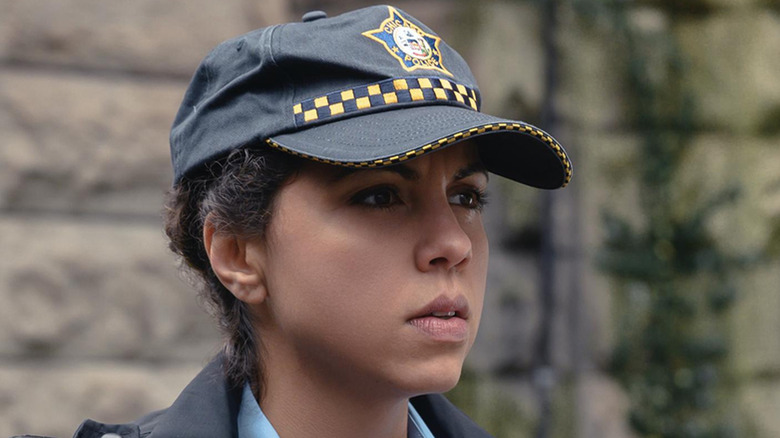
[307, 403]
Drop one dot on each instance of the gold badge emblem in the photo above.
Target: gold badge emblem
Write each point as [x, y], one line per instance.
[408, 43]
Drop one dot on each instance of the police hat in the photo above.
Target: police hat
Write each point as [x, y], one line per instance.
[368, 88]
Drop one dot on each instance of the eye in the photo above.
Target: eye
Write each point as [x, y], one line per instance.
[377, 197]
[473, 199]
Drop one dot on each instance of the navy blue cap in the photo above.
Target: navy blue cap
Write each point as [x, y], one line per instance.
[368, 88]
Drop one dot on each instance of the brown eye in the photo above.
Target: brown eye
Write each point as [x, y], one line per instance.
[377, 197]
[471, 199]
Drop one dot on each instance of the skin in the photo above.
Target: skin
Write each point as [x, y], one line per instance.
[348, 259]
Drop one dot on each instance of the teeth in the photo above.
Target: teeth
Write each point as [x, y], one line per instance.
[443, 314]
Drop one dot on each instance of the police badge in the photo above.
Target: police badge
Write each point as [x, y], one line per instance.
[408, 43]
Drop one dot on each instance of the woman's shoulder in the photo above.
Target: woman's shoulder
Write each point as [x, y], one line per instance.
[138, 429]
[206, 408]
[93, 429]
[444, 419]
[441, 416]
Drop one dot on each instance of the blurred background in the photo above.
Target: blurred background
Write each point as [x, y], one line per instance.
[642, 300]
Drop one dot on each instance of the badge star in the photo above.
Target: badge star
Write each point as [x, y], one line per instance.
[384, 35]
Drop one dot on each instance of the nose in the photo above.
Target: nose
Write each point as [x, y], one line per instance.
[443, 243]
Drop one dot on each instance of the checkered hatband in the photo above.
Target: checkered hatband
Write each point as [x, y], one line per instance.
[382, 94]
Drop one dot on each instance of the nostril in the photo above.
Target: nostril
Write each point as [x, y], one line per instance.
[439, 261]
[449, 263]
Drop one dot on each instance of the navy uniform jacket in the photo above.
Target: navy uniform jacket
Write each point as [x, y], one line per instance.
[208, 408]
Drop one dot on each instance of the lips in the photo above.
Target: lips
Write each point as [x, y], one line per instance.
[444, 315]
[445, 307]
[444, 319]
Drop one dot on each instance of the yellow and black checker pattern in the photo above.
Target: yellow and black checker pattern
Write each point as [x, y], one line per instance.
[522, 127]
[382, 94]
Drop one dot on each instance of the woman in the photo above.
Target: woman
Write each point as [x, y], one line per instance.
[329, 178]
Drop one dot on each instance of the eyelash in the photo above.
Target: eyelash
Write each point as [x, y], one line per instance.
[480, 198]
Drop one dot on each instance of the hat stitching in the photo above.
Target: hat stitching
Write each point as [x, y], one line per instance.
[381, 162]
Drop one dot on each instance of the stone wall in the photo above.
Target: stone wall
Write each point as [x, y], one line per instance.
[727, 51]
[96, 321]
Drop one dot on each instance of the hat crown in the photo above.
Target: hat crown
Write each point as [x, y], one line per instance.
[367, 88]
[260, 76]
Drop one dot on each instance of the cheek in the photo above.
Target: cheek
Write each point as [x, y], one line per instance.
[328, 274]
[338, 300]
[478, 273]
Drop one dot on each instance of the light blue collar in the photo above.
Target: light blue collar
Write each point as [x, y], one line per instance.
[417, 427]
[252, 423]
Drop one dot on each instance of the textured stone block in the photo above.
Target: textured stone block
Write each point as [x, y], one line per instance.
[734, 68]
[437, 14]
[38, 397]
[710, 164]
[88, 289]
[507, 59]
[705, 6]
[760, 402]
[755, 346]
[607, 177]
[147, 36]
[590, 81]
[715, 162]
[85, 143]
[610, 166]
[602, 408]
[509, 326]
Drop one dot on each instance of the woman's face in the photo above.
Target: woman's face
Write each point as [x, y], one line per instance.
[375, 278]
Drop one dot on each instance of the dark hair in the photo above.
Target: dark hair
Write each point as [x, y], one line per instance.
[238, 191]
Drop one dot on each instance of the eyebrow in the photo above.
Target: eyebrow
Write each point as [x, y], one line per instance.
[410, 174]
[471, 169]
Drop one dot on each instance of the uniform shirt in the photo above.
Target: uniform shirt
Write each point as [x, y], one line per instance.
[209, 407]
[252, 423]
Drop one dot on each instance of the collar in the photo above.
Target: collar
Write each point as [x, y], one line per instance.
[209, 407]
[252, 422]
[206, 408]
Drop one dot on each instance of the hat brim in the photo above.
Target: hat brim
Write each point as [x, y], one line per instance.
[512, 149]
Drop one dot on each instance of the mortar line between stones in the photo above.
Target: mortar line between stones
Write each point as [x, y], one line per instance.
[19, 65]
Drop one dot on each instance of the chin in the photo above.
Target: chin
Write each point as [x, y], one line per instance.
[443, 385]
[435, 377]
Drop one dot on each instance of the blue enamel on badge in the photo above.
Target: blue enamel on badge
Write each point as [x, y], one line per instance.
[410, 45]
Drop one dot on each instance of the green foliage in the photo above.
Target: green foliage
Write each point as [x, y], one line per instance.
[675, 280]
[770, 126]
[492, 409]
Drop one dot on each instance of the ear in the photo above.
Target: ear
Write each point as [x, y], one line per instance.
[237, 262]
